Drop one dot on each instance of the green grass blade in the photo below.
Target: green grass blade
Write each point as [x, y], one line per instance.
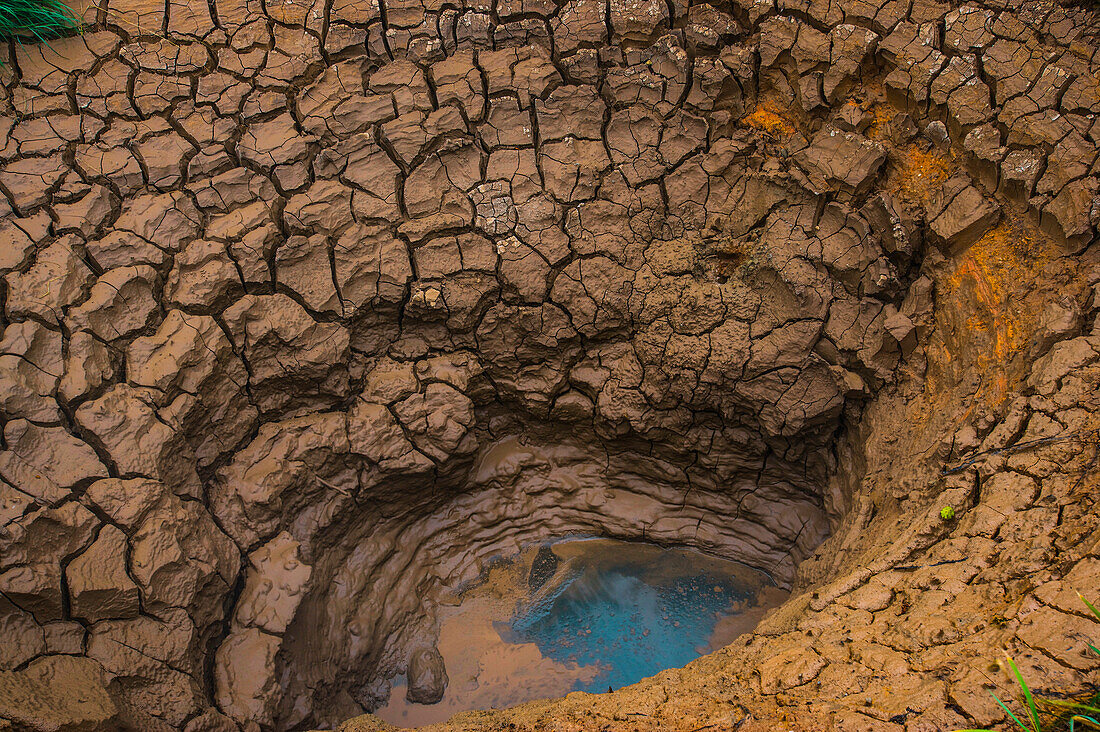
[1028, 698]
[1070, 705]
[38, 20]
[1088, 721]
[1009, 713]
[1090, 606]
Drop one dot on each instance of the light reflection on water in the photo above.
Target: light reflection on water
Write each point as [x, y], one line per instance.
[631, 612]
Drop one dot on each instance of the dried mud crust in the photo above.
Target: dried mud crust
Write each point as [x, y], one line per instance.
[309, 309]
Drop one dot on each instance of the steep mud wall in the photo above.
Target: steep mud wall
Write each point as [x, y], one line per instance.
[901, 620]
[309, 309]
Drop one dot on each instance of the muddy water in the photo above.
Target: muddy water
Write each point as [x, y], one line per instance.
[584, 615]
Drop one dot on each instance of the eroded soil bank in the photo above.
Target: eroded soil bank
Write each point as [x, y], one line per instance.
[309, 310]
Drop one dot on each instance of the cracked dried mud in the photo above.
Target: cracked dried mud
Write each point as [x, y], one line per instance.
[311, 308]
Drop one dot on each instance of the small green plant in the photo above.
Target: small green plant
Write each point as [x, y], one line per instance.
[1096, 614]
[947, 513]
[1076, 713]
[36, 20]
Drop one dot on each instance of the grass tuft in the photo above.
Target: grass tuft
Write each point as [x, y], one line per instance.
[36, 20]
[1094, 611]
[1076, 714]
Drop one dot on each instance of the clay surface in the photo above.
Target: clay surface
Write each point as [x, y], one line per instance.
[310, 308]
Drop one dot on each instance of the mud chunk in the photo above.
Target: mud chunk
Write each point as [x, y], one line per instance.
[325, 205]
[290, 465]
[427, 676]
[99, 586]
[153, 663]
[125, 422]
[273, 144]
[18, 237]
[56, 280]
[211, 721]
[793, 667]
[636, 20]
[438, 420]
[1019, 174]
[839, 160]
[120, 248]
[338, 88]
[968, 29]
[23, 637]
[121, 303]
[984, 154]
[275, 586]
[246, 687]
[960, 215]
[30, 366]
[897, 232]
[59, 692]
[65, 636]
[46, 461]
[167, 220]
[1072, 216]
[201, 381]
[851, 45]
[181, 559]
[30, 567]
[31, 179]
[571, 110]
[88, 213]
[707, 27]
[125, 501]
[268, 328]
[777, 36]
[203, 275]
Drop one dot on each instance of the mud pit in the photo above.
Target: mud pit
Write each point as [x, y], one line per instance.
[582, 614]
[311, 309]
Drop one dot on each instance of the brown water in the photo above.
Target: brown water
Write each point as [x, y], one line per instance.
[596, 613]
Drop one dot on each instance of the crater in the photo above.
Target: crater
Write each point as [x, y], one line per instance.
[378, 603]
[325, 322]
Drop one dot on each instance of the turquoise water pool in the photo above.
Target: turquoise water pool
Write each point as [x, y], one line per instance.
[631, 610]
